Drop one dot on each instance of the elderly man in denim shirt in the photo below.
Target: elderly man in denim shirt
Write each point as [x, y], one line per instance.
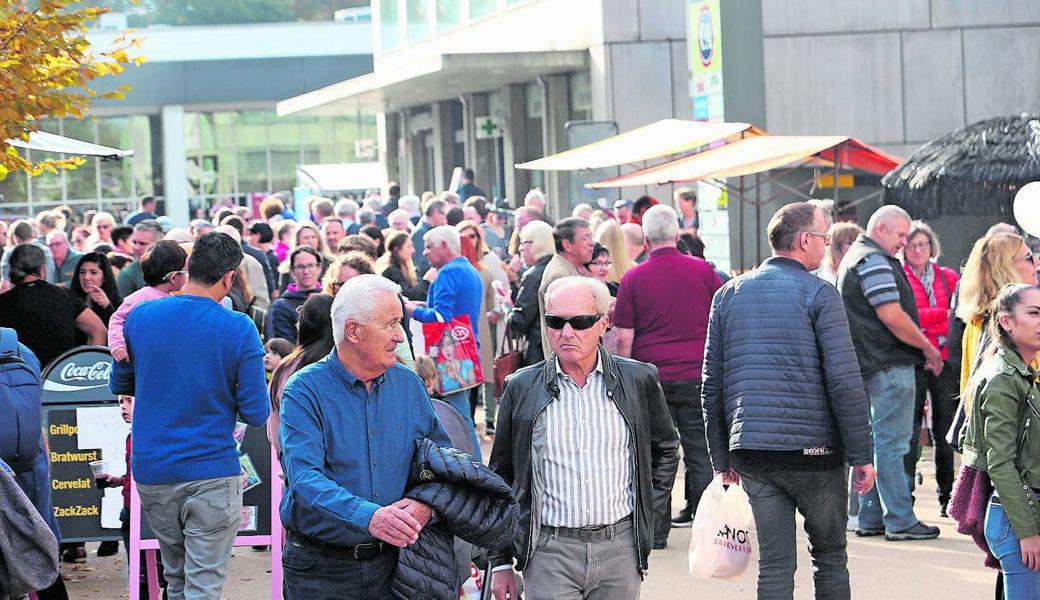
[349, 423]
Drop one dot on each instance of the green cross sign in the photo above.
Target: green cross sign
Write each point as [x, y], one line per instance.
[488, 127]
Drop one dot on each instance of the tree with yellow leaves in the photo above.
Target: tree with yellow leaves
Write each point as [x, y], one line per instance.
[46, 67]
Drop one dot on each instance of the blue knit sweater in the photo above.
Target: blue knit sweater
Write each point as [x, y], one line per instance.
[195, 367]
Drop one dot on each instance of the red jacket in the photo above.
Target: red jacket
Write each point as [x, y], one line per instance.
[935, 320]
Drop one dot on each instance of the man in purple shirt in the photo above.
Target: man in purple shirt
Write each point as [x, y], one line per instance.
[662, 318]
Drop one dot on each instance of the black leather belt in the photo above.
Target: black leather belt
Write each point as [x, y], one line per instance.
[596, 533]
[357, 552]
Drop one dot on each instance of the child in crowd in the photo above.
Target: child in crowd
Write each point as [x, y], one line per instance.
[126, 410]
[163, 267]
[427, 370]
[274, 351]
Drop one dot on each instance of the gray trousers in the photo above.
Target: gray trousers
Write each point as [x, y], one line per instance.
[196, 523]
[562, 568]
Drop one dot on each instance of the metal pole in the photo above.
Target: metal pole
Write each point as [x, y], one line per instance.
[837, 172]
[758, 222]
[740, 219]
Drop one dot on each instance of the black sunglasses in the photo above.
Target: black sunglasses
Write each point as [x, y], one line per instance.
[578, 323]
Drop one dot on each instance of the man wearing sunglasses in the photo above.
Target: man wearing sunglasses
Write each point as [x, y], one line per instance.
[582, 437]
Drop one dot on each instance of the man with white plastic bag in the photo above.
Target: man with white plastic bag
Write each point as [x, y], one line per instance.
[784, 404]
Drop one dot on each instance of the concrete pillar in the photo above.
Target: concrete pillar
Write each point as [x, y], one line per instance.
[517, 180]
[443, 138]
[389, 132]
[175, 165]
[555, 113]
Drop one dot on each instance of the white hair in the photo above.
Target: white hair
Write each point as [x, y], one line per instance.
[229, 231]
[399, 215]
[366, 216]
[596, 288]
[346, 209]
[534, 194]
[580, 208]
[54, 234]
[356, 301]
[409, 203]
[660, 224]
[373, 204]
[446, 234]
[886, 214]
[179, 235]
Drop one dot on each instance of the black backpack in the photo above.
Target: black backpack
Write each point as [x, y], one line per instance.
[20, 391]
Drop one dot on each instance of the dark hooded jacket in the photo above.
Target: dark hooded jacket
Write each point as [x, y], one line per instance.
[470, 502]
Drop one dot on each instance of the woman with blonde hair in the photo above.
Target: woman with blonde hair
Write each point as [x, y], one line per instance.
[538, 247]
[995, 261]
[396, 265]
[842, 236]
[342, 269]
[610, 237]
[101, 227]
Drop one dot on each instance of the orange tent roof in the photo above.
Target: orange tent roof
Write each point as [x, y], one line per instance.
[759, 153]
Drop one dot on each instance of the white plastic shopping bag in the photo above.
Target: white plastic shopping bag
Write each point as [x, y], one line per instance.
[720, 542]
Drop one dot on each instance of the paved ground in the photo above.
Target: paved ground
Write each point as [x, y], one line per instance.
[949, 567]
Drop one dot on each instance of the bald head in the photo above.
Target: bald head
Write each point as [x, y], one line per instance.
[889, 227]
[633, 235]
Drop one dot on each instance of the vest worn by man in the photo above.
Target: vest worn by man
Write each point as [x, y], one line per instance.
[877, 348]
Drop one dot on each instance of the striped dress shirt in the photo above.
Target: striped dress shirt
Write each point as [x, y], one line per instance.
[586, 469]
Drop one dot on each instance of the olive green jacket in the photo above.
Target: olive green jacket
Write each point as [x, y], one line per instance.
[1003, 436]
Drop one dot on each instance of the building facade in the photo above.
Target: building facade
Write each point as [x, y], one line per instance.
[201, 119]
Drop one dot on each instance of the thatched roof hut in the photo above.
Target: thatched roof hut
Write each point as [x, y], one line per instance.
[974, 171]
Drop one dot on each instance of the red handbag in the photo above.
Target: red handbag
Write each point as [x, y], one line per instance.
[508, 361]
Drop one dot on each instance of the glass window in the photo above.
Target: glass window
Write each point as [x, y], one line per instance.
[81, 183]
[481, 8]
[447, 14]
[116, 175]
[579, 90]
[389, 32]
[512, 2]
[533, 115]
[418, 24]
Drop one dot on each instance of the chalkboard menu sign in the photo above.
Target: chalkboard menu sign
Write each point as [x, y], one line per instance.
[83, 424]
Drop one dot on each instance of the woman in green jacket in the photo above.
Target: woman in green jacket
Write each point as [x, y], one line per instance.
[1007, 438]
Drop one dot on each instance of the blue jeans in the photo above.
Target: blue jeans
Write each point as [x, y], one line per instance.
[1019, 582]
[892, 394]
[311, 575]
[820, 496]
[460, 402]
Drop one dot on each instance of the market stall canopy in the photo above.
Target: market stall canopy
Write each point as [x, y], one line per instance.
[663, 138]
[760, 153]
[41, 141]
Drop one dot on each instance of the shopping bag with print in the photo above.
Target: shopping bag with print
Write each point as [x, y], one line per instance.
[453, 348]
[720, 539]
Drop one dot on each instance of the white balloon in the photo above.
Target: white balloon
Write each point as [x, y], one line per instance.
[1027, 208]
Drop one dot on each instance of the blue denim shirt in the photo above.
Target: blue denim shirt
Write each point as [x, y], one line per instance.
[347, 451]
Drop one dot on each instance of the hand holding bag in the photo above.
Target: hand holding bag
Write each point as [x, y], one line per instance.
[720, 539]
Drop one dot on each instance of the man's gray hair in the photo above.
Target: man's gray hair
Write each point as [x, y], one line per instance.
[150, 225]
[366, 216]
[445, 234]
[409, 203]
[596, 288]
[887, 214]
[356, 301]
[56, 234]
[660, 224]
[535, 194]
[399, 214]
[346, 209]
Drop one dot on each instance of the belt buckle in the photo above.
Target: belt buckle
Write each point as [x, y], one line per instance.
[365, 551]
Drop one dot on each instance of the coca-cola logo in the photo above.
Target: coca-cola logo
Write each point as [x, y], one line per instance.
[97, 372]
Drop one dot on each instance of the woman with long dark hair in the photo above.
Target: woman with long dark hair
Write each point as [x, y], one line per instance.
[397, 266]
[998, 440]
[314, 342]
[94, 283]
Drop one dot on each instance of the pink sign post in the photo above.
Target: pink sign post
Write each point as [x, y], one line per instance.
[274, 540]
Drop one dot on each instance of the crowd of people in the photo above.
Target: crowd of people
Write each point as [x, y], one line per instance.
[833, 354]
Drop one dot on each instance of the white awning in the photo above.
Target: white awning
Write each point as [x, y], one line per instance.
[338, 177]
[663, 138]
[41, 141]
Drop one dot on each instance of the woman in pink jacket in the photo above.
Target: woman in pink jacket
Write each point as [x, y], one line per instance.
[933, 289]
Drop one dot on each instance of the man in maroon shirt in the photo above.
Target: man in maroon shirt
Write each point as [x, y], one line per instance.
[662, 318]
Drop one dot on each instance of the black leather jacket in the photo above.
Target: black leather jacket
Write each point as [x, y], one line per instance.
[525, 319]
[634, 388]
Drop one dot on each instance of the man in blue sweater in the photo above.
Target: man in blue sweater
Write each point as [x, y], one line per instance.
[195, 368]
[457, 291]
